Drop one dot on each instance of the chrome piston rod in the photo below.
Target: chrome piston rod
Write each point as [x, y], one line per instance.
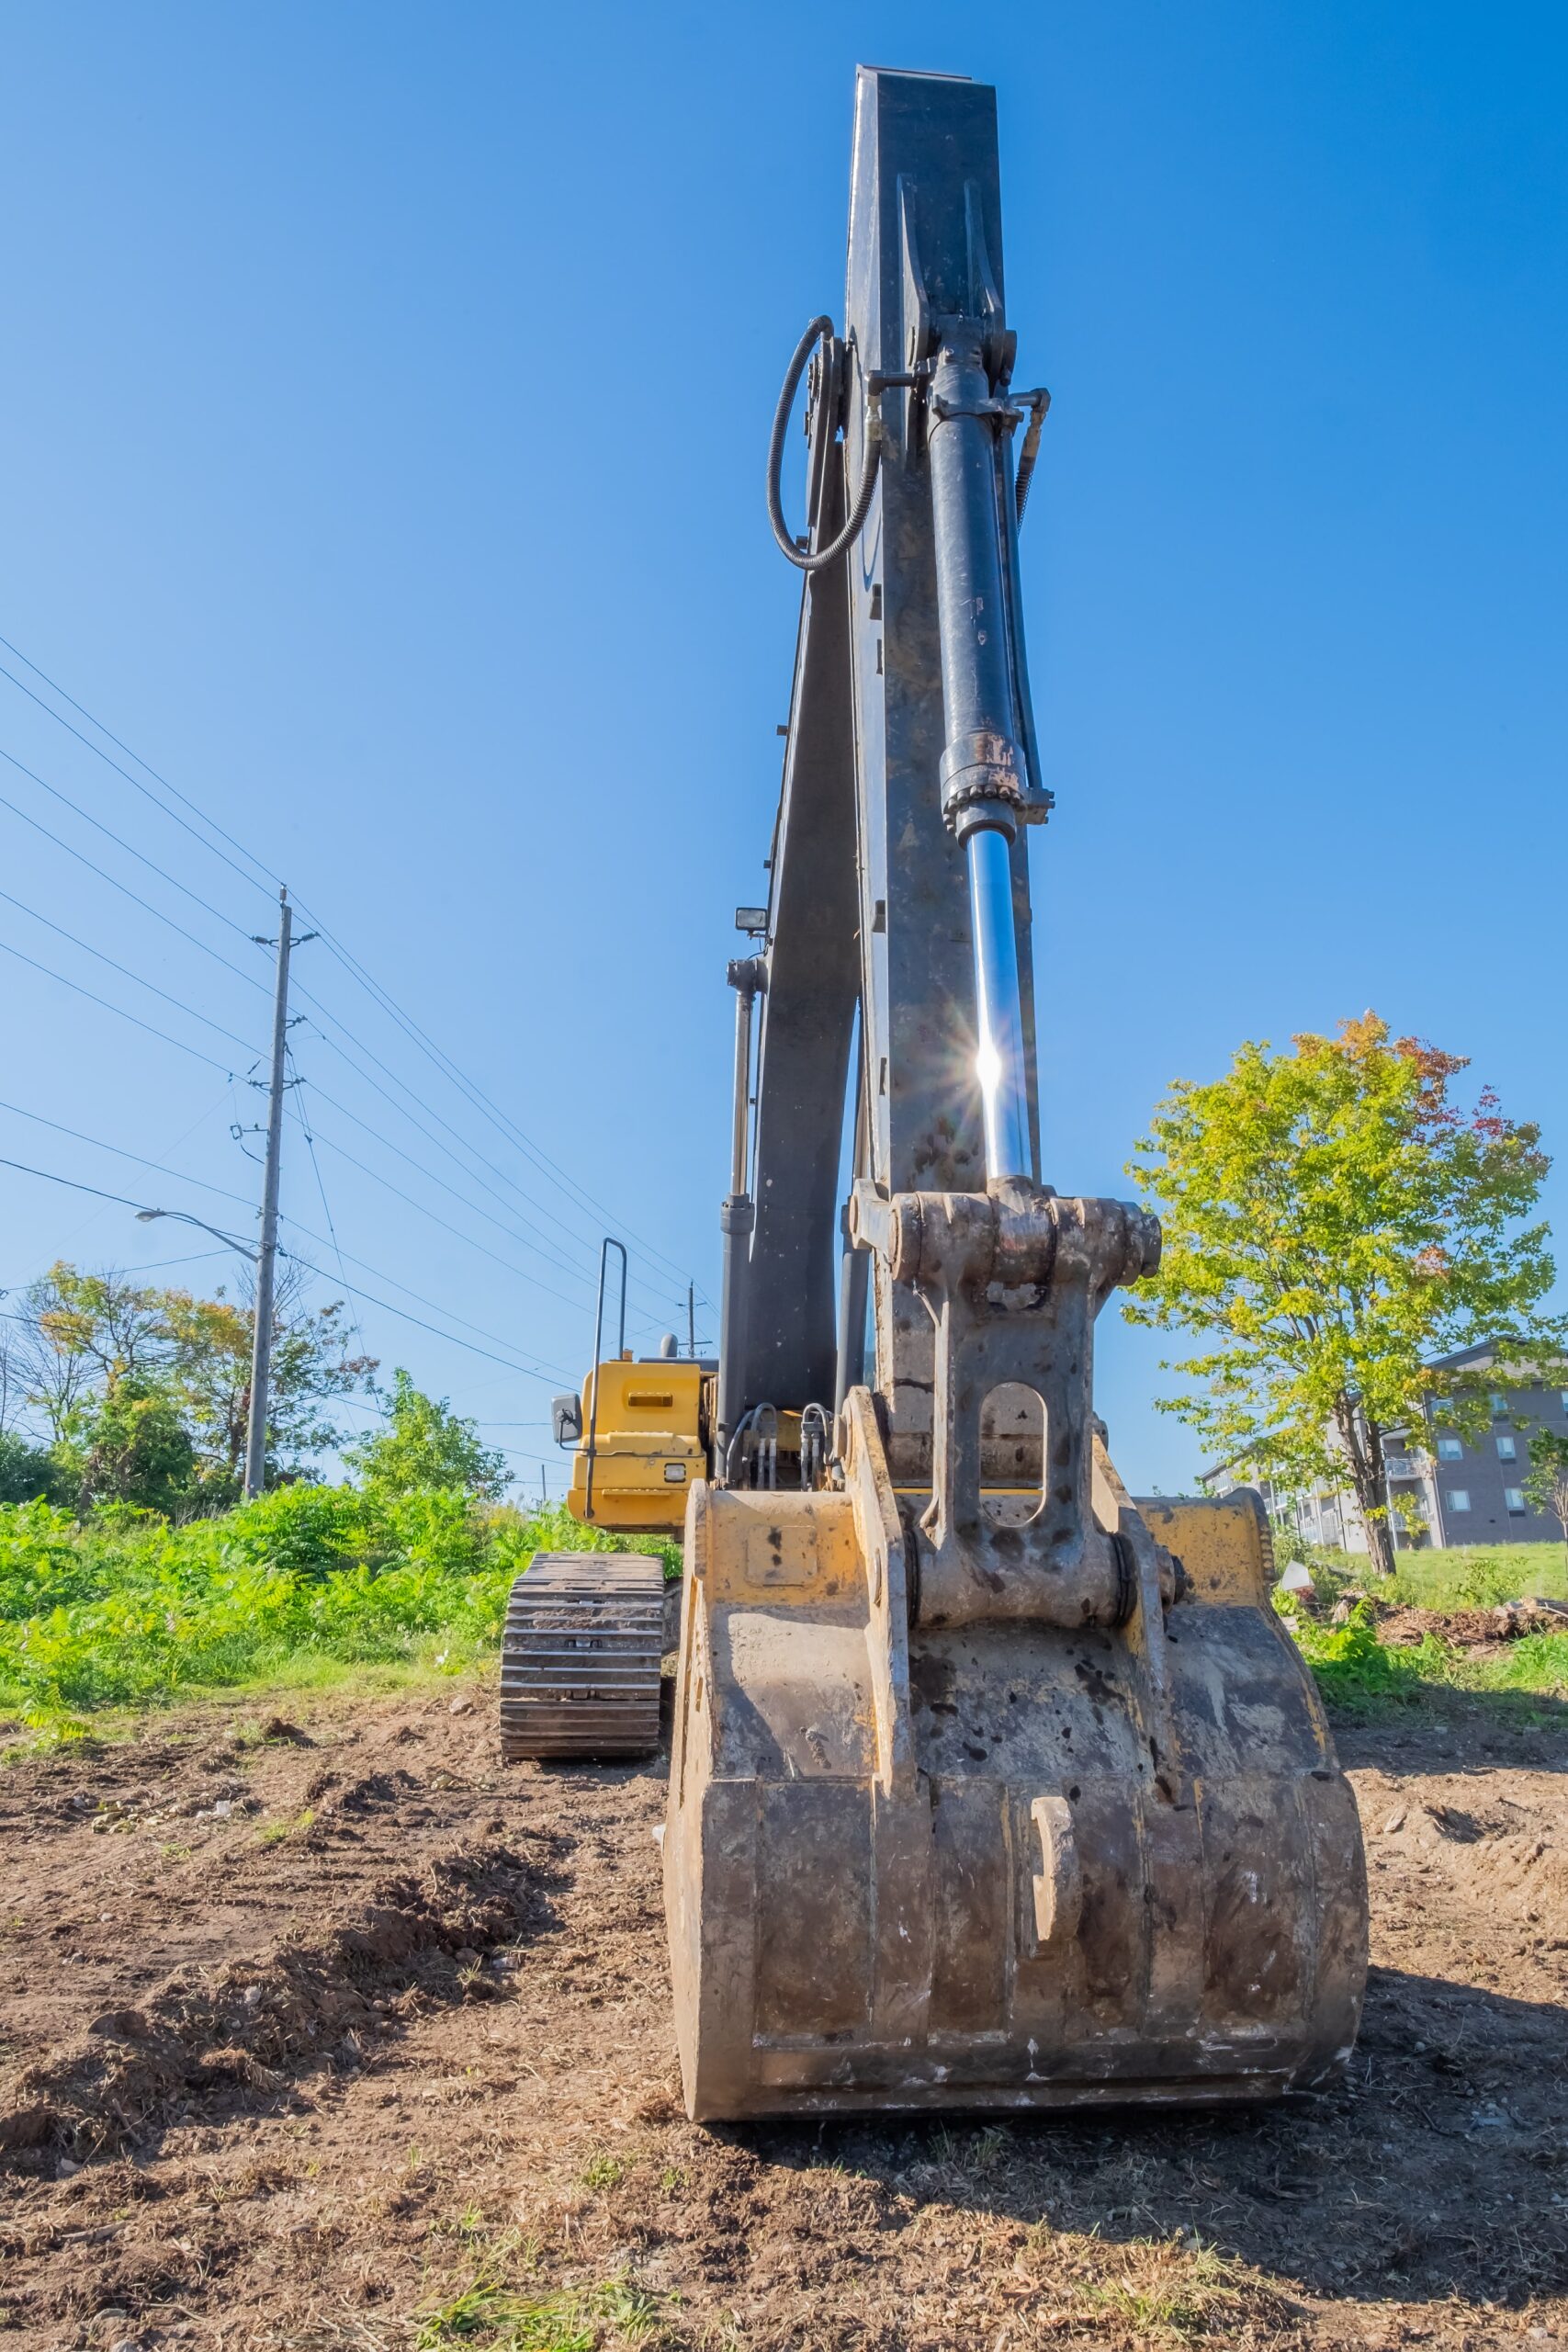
[981, 765]
[1000, 1062]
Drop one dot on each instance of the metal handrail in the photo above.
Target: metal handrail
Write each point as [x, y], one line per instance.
[605, 1246]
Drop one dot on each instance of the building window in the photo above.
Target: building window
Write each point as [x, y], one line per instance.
[1446, 1404]
[1450, 1449]
[1515, 1498]
[1458, 1499]
[1499, 1405]
[1506, 1450]
[1563, 1393]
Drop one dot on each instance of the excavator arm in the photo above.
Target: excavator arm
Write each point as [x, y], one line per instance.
[990, 1787]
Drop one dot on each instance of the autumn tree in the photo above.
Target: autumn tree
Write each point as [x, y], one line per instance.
[1333, 1220]
[81, 1333]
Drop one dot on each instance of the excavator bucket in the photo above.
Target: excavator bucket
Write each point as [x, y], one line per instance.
[1004, 1865]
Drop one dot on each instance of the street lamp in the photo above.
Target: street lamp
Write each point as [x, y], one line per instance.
[145, 1217]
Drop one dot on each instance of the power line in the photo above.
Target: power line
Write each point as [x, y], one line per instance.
[121, 1153]
[135, 782]
[126, 891]
[443, 1061]
[521, 1273]
[560, 1264]
[124, 970]
[524, 1370]
[134, 1018]
[548, 1372]
[326, 1208]
[455, 1076]
[196, 1257]
[428, 1132]
[574, 1237]
[110, 834]
[71, 1183]
[377, 1177]
[55, 687]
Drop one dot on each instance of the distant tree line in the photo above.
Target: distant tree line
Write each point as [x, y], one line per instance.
[113, 1390]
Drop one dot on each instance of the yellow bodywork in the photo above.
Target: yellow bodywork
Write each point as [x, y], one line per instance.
[648, 1446]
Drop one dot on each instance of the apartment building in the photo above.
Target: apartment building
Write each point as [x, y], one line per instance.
[1465, 1490]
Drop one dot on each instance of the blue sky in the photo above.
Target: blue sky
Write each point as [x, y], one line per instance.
[383, 407]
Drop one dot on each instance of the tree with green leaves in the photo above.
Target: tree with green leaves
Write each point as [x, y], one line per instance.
[144, 1392]
[423, 1443]
[1546, 1488]
[127, 1444]
[1333, 1220]
[209, 1369]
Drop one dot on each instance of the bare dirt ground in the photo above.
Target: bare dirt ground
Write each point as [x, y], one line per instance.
[326, 2032]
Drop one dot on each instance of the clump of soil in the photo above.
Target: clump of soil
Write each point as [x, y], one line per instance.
[386, 2059]
[1404, 1627]
[205, 2038]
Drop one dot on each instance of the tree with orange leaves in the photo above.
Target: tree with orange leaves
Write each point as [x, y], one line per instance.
[1333, 1220]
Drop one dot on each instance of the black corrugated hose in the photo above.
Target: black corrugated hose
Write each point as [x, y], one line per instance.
[820, 330]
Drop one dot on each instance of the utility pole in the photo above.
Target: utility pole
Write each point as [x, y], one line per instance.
[261, 1347]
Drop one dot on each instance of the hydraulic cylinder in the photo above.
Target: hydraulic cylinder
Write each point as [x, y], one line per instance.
[982, 767]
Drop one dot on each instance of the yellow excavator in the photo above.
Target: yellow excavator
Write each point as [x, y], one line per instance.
[990, 1787]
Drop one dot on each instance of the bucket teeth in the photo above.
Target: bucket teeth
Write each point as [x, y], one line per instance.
[580, 1655]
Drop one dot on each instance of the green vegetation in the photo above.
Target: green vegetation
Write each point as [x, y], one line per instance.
[423, 1443]
[127, 1610]
[1362, 1674]
[132, 1574]
[1546, 1488]
[1332, 1222]
[141, 1395]
[574, 2320]
[602, 2172]
[1465, 1576]
[1359, 1671]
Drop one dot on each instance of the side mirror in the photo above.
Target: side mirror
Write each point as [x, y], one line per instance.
[565, 1419]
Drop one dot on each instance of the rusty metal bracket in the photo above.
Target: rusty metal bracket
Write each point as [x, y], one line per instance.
[1013, 1279]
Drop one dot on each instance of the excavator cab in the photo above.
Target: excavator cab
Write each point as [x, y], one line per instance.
[636, 1438]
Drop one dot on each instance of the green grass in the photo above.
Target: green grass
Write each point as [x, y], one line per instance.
[1473, 1576]
[308, 1585]
[1362, 1674]
[602, 2172]
[575, 2319]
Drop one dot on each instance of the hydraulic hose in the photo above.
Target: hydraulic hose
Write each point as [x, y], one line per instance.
[819, 331]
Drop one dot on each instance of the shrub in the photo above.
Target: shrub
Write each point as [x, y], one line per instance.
[129, 1611]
